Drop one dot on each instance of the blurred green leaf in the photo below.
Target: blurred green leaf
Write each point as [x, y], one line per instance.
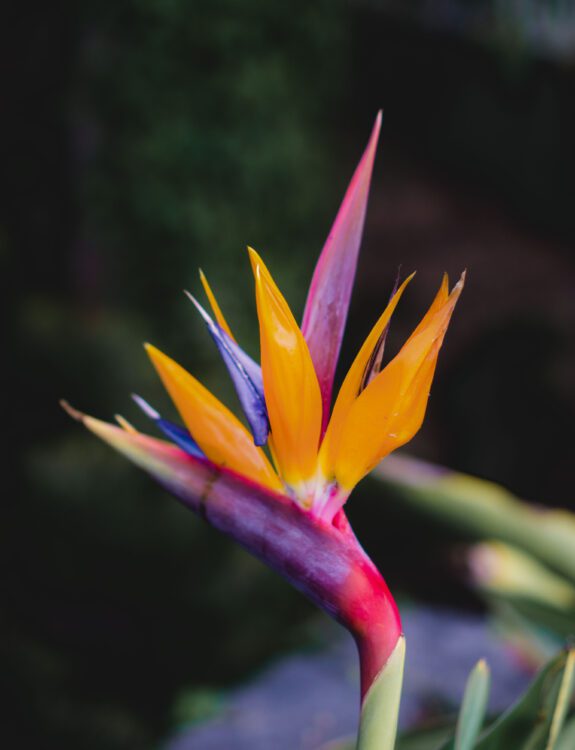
[527, 636]
[484, 510]
[557, 624]
[563, 701]
[501, 569]
[534, 722]
[514, 582]
[537, 717]
[474, 706]
[429, 738]
[567, 738]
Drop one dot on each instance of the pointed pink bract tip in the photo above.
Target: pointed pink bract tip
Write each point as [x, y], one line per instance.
[69, 409]
[329, 295]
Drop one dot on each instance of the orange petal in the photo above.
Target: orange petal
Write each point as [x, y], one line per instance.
[291, 388]
[218, 315]
[221, 436]
[352, 382]
[390, 410]
[437, 304]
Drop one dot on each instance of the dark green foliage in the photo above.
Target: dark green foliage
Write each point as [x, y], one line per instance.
[208, 121]
[184, 132]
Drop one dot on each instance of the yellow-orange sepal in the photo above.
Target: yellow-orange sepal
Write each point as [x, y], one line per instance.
[216, 309]
[221, 436]
[292, 392]
[351, 385]
[390, 410]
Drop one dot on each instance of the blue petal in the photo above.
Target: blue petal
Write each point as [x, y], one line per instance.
[246, 376]
[178, 435]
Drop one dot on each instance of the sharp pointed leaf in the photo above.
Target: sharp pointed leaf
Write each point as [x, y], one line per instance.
[473, 708]
[528, 722]
[564, 700]
[534, 721]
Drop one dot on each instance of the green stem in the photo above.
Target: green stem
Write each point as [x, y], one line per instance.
[380, 707]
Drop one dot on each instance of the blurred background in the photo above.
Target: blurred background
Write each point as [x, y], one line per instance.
[142, 139]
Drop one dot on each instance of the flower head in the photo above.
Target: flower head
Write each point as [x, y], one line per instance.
[278, 485]
[316, 459]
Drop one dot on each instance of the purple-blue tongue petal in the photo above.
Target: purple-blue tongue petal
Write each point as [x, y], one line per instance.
[246, 376]
[178, 435]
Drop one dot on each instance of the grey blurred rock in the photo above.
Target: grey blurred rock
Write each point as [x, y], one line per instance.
[304, 700]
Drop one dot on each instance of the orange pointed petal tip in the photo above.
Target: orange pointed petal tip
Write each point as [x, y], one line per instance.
[292, 393]
[259, 268]
[219, 434]
[390, 410]
[351, 385]
[218, 315]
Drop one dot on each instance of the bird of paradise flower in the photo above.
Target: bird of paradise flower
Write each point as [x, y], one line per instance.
[289, 511]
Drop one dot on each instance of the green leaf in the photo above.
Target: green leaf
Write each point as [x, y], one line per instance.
[567, 737]
[484, 510]
[379, 712]
[472, 713]
[563, 701]
[509, 577]
[429, 738]
[535, 720]
[499, 568]
[551, 622]
[527, 635]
